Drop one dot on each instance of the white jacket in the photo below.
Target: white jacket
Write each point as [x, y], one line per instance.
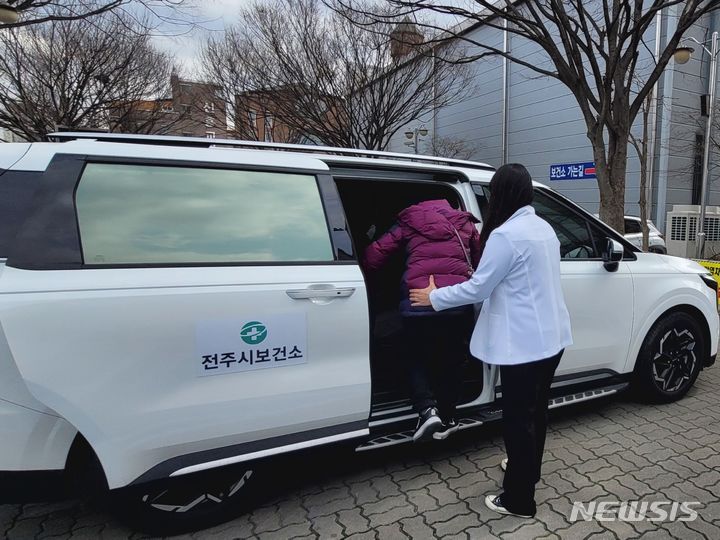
[523, 317]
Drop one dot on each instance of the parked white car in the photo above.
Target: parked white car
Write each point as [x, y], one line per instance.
[176, 311]
[633, 233]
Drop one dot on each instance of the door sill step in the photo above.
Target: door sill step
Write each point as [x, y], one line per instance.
[489, 415]
[391, 439]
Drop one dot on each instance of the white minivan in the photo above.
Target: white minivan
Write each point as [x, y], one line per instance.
[176, 311]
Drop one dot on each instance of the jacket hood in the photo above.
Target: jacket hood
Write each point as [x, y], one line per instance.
[435, 219]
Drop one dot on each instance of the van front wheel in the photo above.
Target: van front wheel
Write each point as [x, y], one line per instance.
[184, 504]
[670, 358]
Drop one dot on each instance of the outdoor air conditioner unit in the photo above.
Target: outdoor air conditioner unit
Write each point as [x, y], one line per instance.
[682, 223]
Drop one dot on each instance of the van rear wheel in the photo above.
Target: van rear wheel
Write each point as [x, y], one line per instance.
[670, 358]
[190, 503]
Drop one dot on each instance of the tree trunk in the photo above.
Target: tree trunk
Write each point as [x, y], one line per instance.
[611, 182]
[643, 187]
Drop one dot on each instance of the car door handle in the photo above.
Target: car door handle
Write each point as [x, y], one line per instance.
[320, 292]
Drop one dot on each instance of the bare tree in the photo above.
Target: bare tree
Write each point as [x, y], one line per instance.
[594, 49]
[78, 74]
[150, 14]
[331, 81]
[452, 147]
[641, 144]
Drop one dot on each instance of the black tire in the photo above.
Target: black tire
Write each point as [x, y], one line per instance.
[190, 503]
[670, 358]
[657, 249]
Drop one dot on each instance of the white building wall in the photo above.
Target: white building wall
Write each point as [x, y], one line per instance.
[545, 124]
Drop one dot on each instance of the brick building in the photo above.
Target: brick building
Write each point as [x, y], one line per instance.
[194, 109]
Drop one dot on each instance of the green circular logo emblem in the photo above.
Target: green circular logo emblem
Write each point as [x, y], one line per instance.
[253, 333]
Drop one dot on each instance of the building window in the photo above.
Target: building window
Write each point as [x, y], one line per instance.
[171, 215]
[184, 87]
[210, 134]
[209, 121]
[187, 134]
[167, 108]
[209, 107]
[186, 108]
[252, 119]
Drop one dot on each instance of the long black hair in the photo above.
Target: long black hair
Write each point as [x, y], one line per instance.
[510, 189]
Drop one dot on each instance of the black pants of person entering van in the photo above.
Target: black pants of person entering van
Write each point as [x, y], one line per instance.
[438, 346]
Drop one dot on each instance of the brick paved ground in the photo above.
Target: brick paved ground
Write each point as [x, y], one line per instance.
[611, 450]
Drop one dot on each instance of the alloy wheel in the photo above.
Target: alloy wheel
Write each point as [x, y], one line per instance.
[186, 497]
[674, 363]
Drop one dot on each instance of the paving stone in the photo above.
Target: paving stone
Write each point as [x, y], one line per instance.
[331, 508]
[391, 516]
[25, 528]
[291, 531]
[415, 527]
[446, 469]
[391, 532]
[445, 513]
[456, 524]
[327, 527]
[528, 531]
[443, 494]
[581, 529]
[639, 488]
[422, 500]
[383, 505]
[353, 521]
[706, 479]
[480, 533]
[369, 535]
[228, 531]
[421, 480]
[363, 492]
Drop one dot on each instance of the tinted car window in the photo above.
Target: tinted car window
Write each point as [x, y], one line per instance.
[136, 214]
[574, 233]
[17, 190]
[632, 227]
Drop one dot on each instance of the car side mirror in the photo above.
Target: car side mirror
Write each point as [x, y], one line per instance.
[612, 255]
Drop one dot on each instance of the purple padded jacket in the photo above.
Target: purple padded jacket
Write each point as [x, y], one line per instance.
[427, 232]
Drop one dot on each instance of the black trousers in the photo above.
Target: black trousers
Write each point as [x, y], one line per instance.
[438, 345]
[525, 394]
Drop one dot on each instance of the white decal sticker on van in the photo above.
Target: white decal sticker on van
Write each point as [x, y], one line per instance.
[233, 345]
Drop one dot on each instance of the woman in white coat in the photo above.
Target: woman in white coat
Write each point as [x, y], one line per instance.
[523, 327]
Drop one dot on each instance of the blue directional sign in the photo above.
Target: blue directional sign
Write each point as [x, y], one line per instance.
[573, 171]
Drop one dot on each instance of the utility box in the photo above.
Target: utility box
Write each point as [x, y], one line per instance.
[682, 223]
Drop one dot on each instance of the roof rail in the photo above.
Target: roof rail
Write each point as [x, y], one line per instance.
[259, 145]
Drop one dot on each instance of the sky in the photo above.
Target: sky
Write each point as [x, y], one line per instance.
[213, 16]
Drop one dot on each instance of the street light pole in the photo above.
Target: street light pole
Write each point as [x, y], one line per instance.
[413, 136]
[8, 14]
[700, 244]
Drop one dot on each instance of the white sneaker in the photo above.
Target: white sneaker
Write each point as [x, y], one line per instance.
[503, 464]
[494, 502]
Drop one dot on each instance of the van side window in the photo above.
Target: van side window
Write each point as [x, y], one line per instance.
[576, 238]
[146, 214]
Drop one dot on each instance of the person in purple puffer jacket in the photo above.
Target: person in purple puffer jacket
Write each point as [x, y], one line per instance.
[441, 242]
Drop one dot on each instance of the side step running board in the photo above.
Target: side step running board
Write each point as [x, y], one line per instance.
[407, 436]
[489, 415]
[586, 395]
